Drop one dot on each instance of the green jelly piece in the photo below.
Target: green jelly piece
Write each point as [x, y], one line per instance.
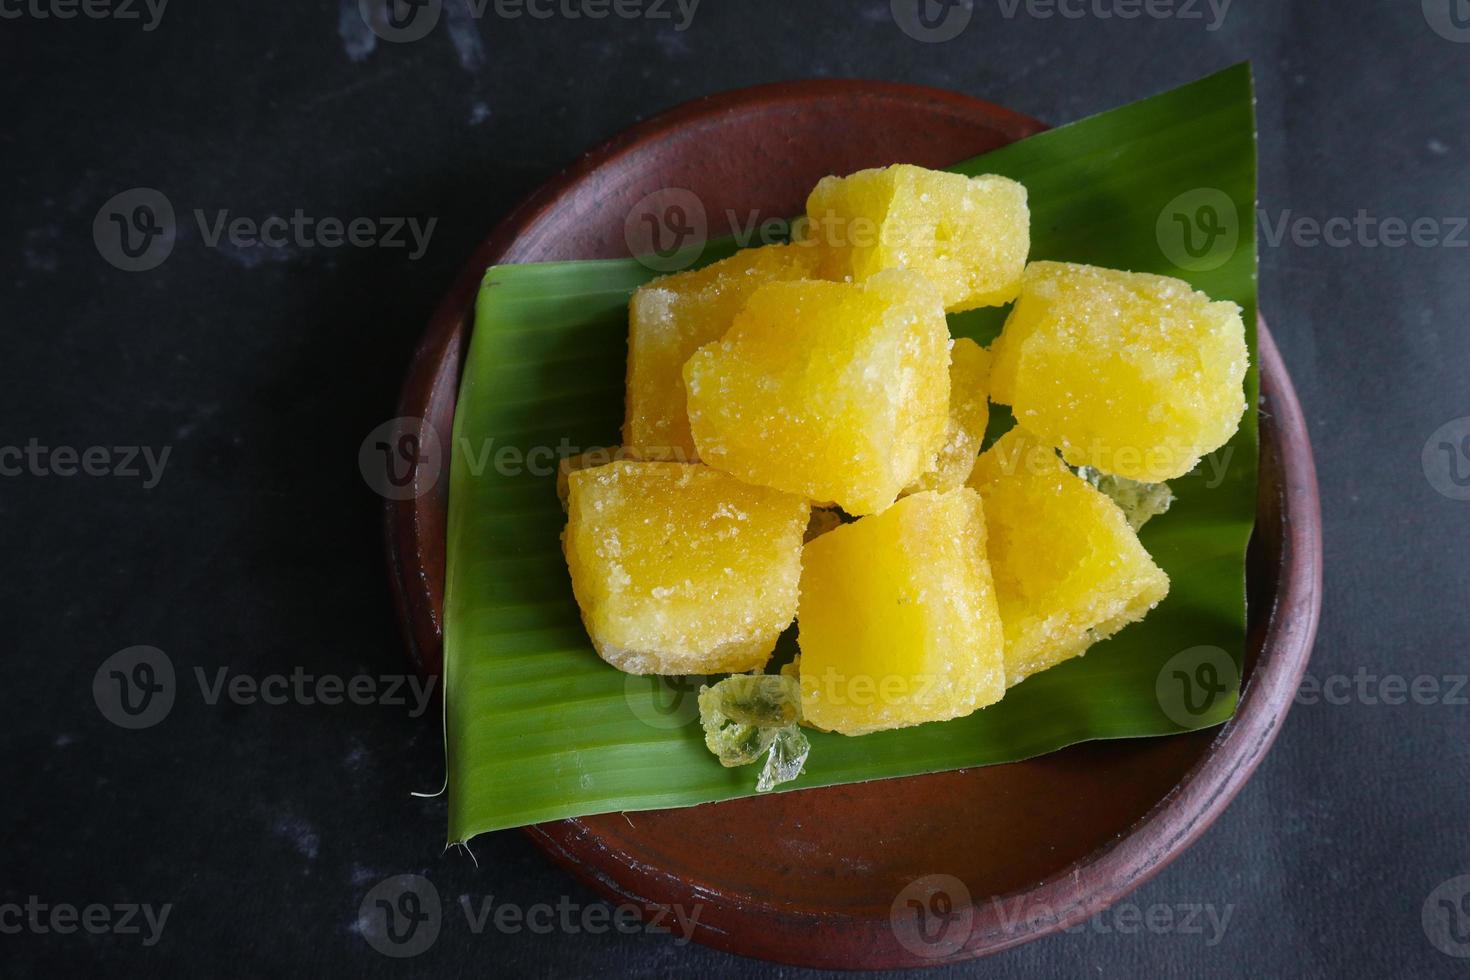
[746, 716]
[785, 758]
[1138, 501]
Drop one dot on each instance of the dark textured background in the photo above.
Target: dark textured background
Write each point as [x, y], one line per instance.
[264, 369]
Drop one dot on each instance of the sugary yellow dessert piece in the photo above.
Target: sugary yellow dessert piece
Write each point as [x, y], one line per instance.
[1069, 570]
[970, 235]
[671, 318]
[682, 569]
[835, 391]
[898, 622]
[600, 456]
[969, 413]
[1132, 374]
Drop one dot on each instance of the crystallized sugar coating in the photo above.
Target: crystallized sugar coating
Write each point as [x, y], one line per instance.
[1131, 374]
[898, 623]
[969, 413]
[682, 569]
[835, 391]
[1069, 570]
[970, 235]
[584, 461]
[669, 319]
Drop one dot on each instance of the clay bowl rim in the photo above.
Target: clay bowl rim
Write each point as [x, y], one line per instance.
[1073, 894]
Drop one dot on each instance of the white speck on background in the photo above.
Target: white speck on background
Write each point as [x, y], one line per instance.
[673, 44]
[464, 32]
[358, 40]
[300, 833]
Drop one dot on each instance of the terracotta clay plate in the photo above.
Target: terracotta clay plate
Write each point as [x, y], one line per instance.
[811, 878]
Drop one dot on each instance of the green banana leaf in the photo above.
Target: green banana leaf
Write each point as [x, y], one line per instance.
[539, 728]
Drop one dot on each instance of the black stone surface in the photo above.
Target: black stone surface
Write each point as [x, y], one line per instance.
[261, 370]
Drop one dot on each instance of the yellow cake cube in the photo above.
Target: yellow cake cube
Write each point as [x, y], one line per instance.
[970, 235]
[599, 456]
[835, 391]
[969, 413]
[1069, 570]
[898, 622]
[672, 317]
[682, 569]
[1132, 374]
